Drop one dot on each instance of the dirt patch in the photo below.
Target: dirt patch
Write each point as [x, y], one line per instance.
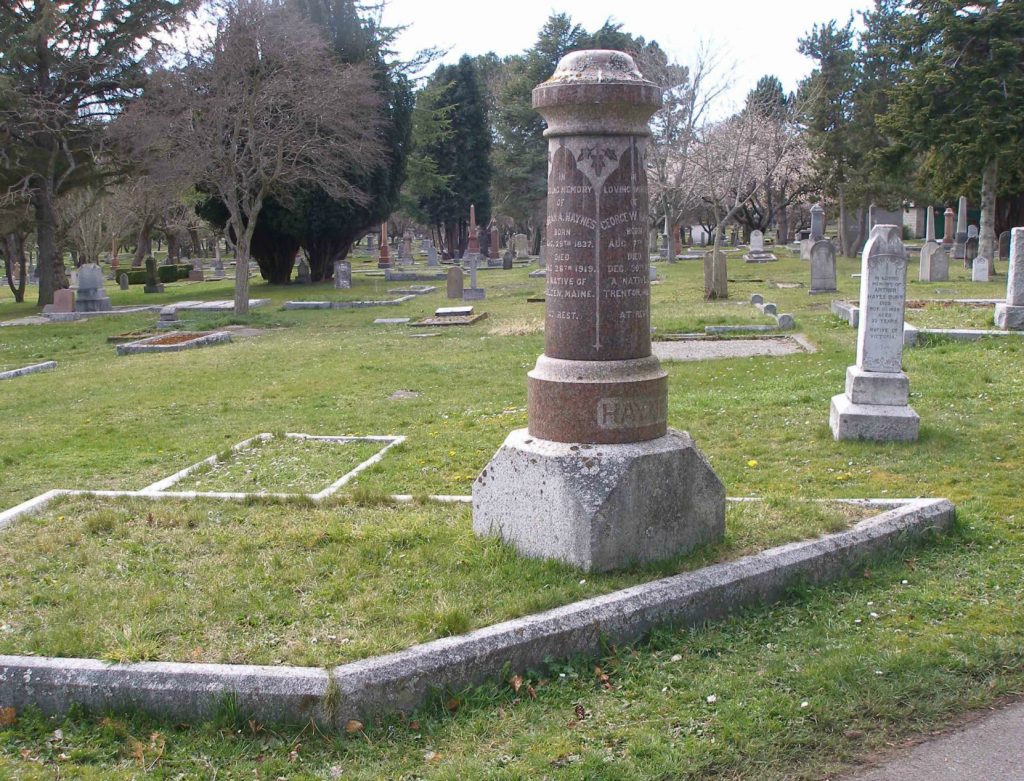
[178, 338]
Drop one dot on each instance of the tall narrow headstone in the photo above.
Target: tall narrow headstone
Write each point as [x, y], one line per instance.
[384, 258]
[432, 255]
[947, 226]
[1010, 316]
[473, 293]
[342, 275]
[585, 482]
[934, 263]
[970, 251]
[542, 260]
[960, 238]
[875, 406]
[823, 267]
[929, 224]
[303, 275]
[455, 283]
[493, 251]
[817, 222]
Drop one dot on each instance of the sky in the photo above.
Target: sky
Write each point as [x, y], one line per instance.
[759, 37]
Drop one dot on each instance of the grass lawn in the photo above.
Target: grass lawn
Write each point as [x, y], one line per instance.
[797, 689]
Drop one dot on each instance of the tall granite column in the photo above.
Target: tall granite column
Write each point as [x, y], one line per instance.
[384, 258]
[1010, 315]
[597, 479]
[960, 240]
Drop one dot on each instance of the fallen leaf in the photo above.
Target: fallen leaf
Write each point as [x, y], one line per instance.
[453, 704]
[7, 717]
[580, 711]
[352, 726]
[517, 683]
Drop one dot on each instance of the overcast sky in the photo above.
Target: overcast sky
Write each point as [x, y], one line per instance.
[759, 36]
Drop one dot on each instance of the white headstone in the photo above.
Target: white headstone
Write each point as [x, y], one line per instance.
[883, 292]
[342, 275]
[757, 241]
[1010, 316]
[979, 269]
[823, 267]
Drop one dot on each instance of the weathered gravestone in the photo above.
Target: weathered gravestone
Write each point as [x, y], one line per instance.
[153, 283]
[342, 275]
[122, 281]
[542, 259]
[970, 251]
[979, 267]
[716, 282]
[1010, 316]
[757, 253]
[303, 276]
[90, 296]
[1004, 245]
[972, 231]
[874, 406]
[521, 245]
[473, 293]
[455, 282]
[384, 257]
[63, 301]
[823, 267]
[934, 265]
[494, 250]
[196, 274]
[586, 483]
[432, 255]
[506, 263]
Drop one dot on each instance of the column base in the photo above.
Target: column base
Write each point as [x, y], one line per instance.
[1009, 317]
[599, 507]
[872, 422]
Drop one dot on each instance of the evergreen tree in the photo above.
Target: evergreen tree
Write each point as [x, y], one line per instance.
[65, 68]
[461, 156]
[961, 102]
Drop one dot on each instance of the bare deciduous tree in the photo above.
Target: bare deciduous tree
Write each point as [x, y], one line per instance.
[264, 109]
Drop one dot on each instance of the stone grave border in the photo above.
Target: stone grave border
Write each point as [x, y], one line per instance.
[402, 681]
[146, 345]
[33, 369]
[850, 312]
[293, 305]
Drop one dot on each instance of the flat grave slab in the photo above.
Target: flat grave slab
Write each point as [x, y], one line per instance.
[453, 311]
[413, 290]
[346, 304]
[709, 349]
[450, 320]
[173, 342]
[391, 320]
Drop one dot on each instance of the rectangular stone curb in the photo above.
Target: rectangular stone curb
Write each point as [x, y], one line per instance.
[147, 346]
[36, 367]
[177, 692]
[402, 681]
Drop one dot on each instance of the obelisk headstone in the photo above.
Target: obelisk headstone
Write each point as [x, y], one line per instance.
[929, 224]
[874, 406]
[585, 482]
[960, 238]
[493, 251]
[1010, 316]
[926, 270]
[384, 258]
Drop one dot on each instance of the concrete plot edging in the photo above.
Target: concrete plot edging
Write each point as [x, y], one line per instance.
[402, 681]
[33, 369]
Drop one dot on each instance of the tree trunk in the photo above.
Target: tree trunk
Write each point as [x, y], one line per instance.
[143, 245]
[50, 264]
[172, 247]
[782, 227]
[14, 257]
[242, 274]
[670, 238]
[322, 254]
[987, 228]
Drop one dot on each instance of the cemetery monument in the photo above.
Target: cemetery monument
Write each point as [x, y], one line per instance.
[1010, 315]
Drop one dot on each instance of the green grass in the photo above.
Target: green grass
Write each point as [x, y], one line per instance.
[948, 640]
[952, 316]
[280, 465]
[310, 585]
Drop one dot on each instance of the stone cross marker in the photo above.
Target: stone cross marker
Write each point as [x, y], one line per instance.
[1010, 316]
[576, 485]
[342, 275]
[823, 267]
[455, 283]
[874, 406]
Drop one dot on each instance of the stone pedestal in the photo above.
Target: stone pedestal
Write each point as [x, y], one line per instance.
[598, 480]
[90, 296]
[599, 507]
[874, 406]
[817, 222]
[1009, 316]
[384, 258]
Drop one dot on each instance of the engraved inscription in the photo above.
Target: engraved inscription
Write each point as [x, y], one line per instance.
[880, 340]
[632, 412]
